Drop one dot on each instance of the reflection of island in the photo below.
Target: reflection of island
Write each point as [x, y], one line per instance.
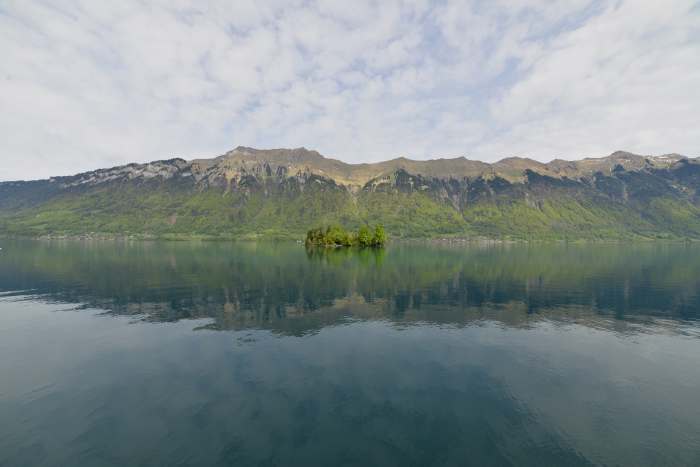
[294, 290]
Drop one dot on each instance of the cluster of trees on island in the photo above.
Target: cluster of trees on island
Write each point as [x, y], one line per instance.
[337, 236]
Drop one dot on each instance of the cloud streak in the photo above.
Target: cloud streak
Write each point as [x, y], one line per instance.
[91, 84]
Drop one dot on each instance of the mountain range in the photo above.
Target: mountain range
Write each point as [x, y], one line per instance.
[283, 192]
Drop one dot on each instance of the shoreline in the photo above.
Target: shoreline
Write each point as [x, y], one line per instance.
[444, 240]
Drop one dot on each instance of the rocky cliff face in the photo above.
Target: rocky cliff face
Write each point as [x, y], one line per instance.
[236, 165]
[248, 191]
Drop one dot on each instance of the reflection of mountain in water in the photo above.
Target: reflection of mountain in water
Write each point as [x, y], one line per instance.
[285, 288]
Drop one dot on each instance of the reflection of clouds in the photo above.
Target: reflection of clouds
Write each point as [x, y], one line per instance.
[609, 392]
[439, 360]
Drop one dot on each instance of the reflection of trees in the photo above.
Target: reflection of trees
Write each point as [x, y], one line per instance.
[280, 285]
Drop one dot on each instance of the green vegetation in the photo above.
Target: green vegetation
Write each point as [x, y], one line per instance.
[628, 206]
[335, 236]
[159, 212]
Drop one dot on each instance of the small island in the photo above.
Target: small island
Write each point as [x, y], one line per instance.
[335, 236]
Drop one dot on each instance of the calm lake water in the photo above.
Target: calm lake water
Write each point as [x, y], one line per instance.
[189, 354]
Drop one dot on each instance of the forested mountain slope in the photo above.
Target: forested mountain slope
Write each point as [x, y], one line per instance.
[283, 192]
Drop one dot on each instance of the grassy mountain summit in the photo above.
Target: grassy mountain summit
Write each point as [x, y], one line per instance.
[283, 192]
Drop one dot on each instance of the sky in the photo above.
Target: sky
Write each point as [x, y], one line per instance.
[91, 84]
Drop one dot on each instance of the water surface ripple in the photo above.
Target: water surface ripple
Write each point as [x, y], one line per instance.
[185, 353]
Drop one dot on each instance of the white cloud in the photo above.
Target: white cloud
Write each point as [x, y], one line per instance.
[90, 84]
[629, 78]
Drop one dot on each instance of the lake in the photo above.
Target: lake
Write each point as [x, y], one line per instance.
[206, 354]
